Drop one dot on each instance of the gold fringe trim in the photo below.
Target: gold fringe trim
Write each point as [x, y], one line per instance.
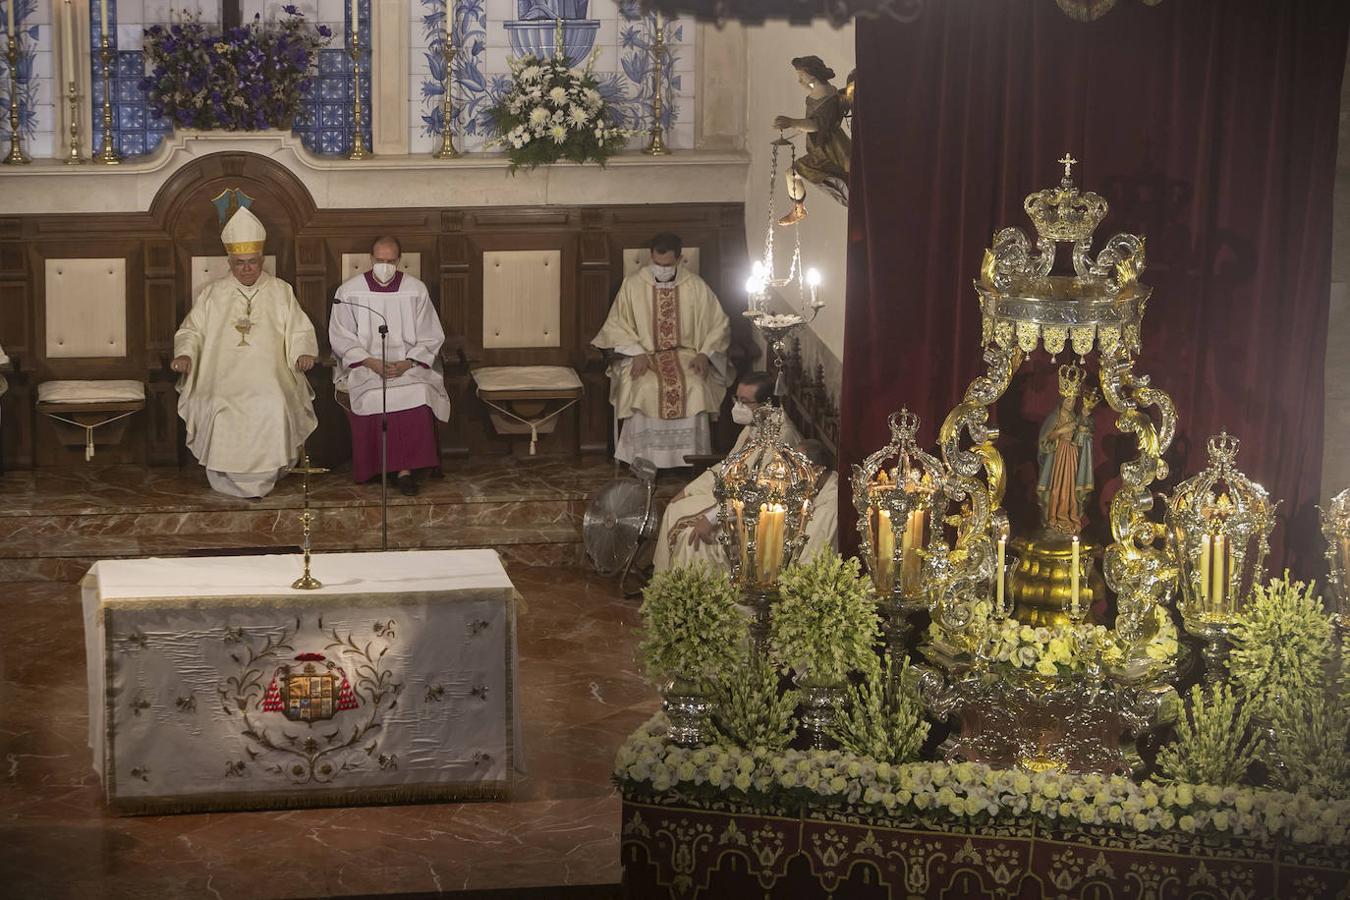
[374, 796]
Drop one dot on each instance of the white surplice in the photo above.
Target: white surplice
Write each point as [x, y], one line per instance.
[246, 407]
[415, 333]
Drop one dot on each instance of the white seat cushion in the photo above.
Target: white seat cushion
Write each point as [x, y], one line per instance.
[526, 378]
[90, 391]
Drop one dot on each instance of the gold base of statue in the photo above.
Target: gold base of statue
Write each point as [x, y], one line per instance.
[1041, 583]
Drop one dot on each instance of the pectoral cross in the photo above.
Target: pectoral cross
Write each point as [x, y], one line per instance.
[244, 324]
[1068, 162]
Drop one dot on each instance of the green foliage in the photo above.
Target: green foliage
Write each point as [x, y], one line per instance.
[748, 710]
[1281, 644]
[1215, 743]
[1310, 746]
[885, 721]
[825, 621]
[691, 626]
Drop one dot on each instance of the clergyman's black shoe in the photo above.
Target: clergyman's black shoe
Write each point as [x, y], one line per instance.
[407, 486]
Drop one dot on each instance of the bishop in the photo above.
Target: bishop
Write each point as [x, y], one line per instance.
[243, 352]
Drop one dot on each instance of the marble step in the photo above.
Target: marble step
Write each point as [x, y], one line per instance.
[55, 523]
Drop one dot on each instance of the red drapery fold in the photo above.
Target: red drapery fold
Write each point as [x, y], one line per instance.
[1209, 125]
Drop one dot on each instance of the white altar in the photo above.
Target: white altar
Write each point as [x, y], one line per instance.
[215, 685]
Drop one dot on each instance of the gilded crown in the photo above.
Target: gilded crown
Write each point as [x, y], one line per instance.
[1070, 380]
[1223, 449]
[1062, 213]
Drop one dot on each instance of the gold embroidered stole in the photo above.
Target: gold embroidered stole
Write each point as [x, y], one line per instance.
[666, 338]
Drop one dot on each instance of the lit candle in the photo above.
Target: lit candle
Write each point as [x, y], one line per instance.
[1073, 584]
[1002, 555]
[770, 539]
[914, 540]
[1204, 566]
[68, 44]
[885, 552]
[102, 19]
[1219, 590]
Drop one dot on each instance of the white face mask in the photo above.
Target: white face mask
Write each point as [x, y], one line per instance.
[384, 272]
[742, 414]
[663, 273]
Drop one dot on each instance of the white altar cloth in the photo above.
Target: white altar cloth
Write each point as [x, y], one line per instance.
[215, 685]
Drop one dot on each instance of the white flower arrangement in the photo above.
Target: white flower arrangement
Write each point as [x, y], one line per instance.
[552, 112]
[691, 626]
[824, 623]
[1062, 649]
[647, 762]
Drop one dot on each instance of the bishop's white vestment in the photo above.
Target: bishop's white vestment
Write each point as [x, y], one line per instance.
[666, 411]
[246, 407]
[697, 499]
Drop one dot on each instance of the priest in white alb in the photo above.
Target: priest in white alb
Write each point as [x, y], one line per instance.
[410, 369]
[243, 352]
[668, 375]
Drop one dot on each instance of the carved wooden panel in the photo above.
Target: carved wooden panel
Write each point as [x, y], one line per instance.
[15, 317]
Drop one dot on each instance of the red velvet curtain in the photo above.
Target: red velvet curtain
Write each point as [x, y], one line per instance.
[1209, 125]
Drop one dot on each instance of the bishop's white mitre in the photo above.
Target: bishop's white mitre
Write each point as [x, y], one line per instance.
[244, 233]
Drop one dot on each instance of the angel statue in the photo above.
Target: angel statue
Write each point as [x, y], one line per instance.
[828, 145]
[1065, 455]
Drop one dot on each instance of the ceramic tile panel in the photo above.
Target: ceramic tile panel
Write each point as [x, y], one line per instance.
[33, 33]
[489, 33]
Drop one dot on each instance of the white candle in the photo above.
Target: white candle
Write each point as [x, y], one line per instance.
[1204, 567]
[885, 544]
[449, 23]
[1073, 585]
[1002, 554]
[9, 17]
[356, 16]
[1219, 592]
[103, 20]
[68, 45]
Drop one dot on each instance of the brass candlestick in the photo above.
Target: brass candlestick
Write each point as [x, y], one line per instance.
[108, 156]
[16, 155]
[447, 149]
[74, 158]
[307, 582]
[359, 150]
[657, 145]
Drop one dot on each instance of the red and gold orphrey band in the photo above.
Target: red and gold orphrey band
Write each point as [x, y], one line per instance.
[670, 375]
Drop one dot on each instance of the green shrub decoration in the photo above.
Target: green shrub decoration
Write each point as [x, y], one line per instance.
[885, 720]
[1215, 742]
[691, 626]
[825, 622]
[1310, 741]
[1281, 645]
[748, 710]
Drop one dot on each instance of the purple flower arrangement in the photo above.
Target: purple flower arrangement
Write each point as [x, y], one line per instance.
[240, 79]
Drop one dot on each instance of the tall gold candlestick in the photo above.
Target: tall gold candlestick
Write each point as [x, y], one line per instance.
[16, 155]
[108, 156]
[447, 149]
[307, 582]
[359, 150]
[74, 157]
[657, 145]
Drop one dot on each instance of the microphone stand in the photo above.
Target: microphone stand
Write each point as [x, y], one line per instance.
[384, 418]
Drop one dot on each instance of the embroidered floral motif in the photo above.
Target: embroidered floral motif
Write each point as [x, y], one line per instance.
[666, 327]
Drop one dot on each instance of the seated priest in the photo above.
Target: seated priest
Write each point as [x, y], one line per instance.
[243, 352]
[668, 374]
[410, 370]
[690, 519]
[822, 529]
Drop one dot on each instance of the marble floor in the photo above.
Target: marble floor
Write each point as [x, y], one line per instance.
[581, 696]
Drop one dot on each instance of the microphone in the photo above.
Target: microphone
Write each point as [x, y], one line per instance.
[384, 329]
